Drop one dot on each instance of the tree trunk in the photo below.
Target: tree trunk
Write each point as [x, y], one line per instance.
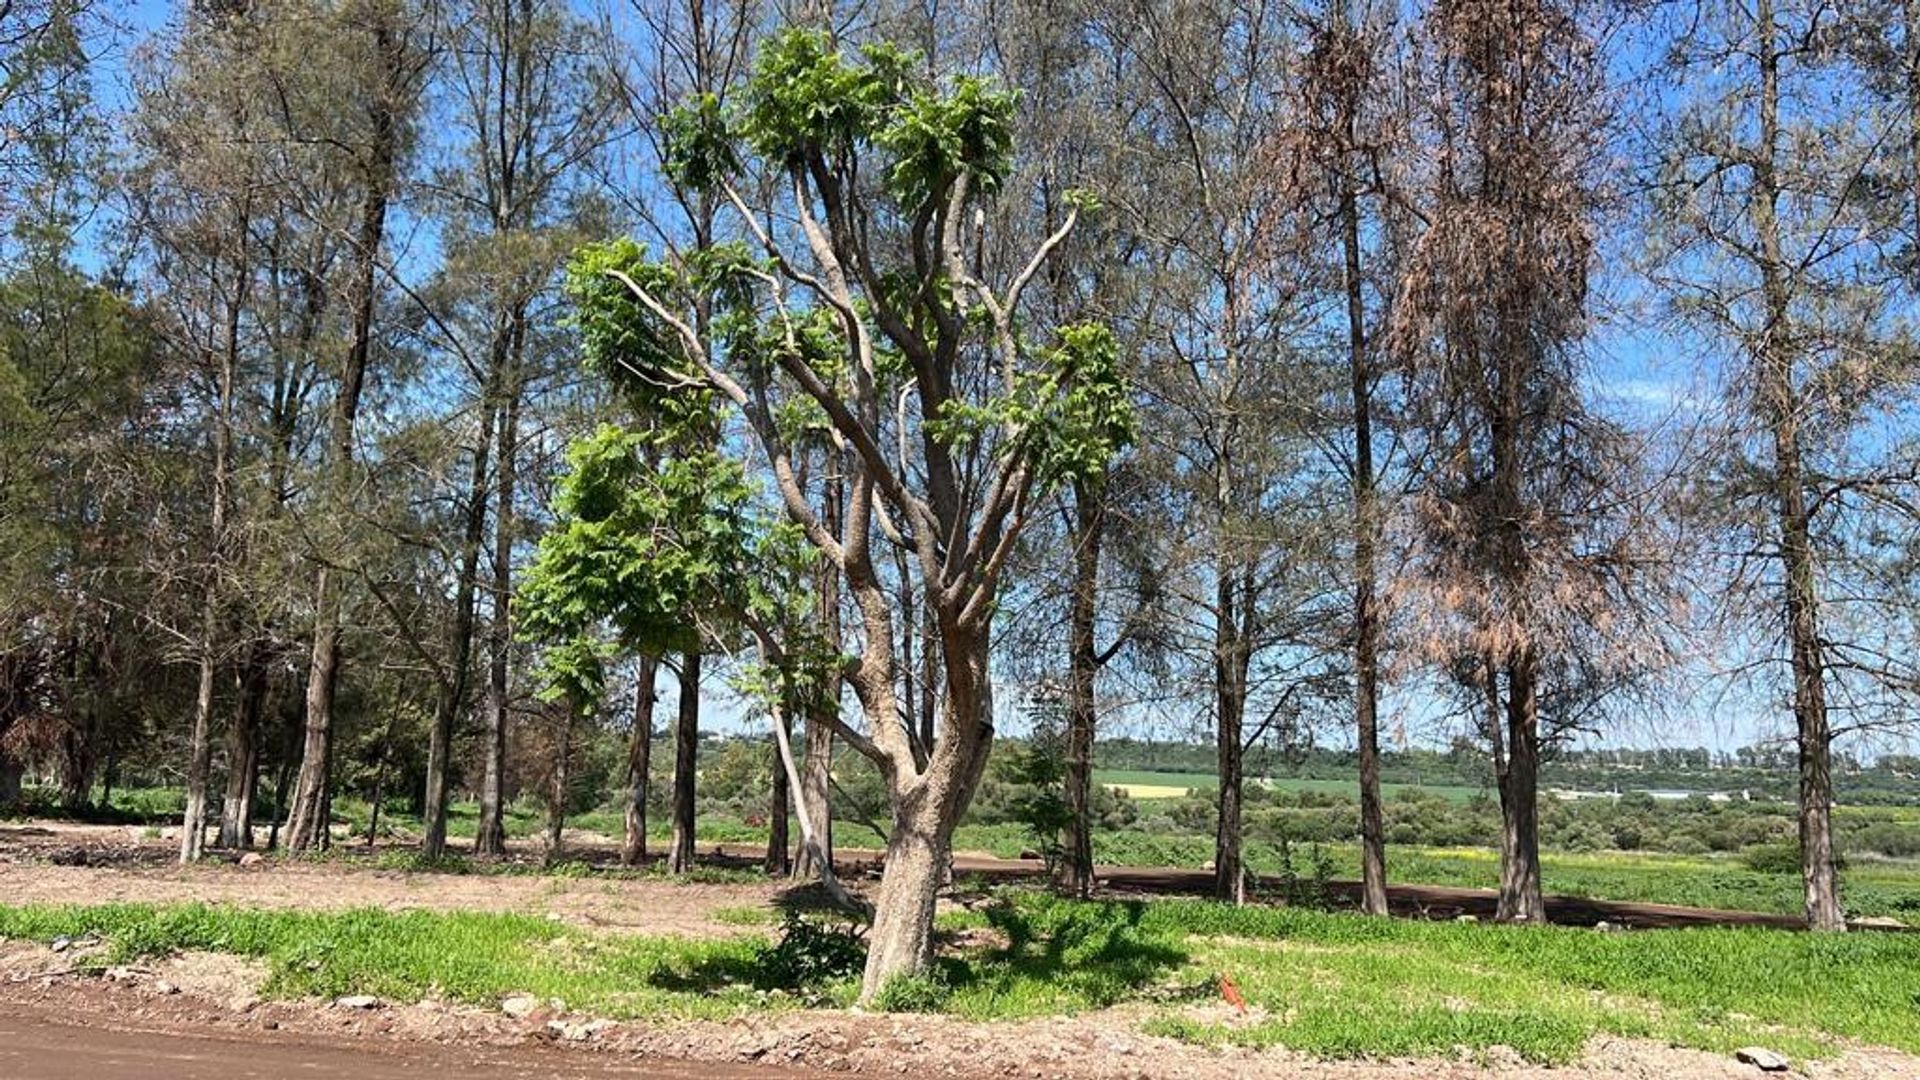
[1366, 618]
[1229, 866]
[557, 792]
[1781, 402]
[313, 793]
[633, 846]
[243, 751]
[918, 851]
[491, 839]
[815, 783]
[1083, 667]
[779, 861]
[686, 748]
[452, 695]
[1520, 895]
[193, 824]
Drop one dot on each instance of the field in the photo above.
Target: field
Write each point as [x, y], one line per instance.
[1141, 784]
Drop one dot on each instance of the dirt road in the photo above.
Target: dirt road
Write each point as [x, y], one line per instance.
[41, 1045]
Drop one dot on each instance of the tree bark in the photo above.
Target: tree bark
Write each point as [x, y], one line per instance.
[312, 798]
[557, 791]
[919, 848]
[633, 845]
[243, 751]
[1083, 667]
[193, 824]
[1366, 618]
[779, 861]
[452, 695]
[1780, 400]
[1519, 781]
[686, 748]
[1229, 866]
[491, 839]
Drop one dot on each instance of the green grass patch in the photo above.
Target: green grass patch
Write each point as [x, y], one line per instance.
[1332, 985]
[1338, 985]
[477, 958]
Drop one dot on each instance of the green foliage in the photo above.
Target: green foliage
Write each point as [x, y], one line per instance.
[922, 993]
[1070, 414]
[699, 151]
[642, 541]
[810, 953]
[804, 97]
[628, 343]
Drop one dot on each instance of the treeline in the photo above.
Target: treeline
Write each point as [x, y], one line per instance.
[393, 393]
[1761, 771]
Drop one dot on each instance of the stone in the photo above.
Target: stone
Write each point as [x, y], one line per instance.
[164, 988]
[1761, 1058]
[357, 1001]
[252, 858]
[1466, 918]
[519, 1006]
[578, 1030]
[62, 944]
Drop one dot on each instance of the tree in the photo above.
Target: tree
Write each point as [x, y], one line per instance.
[1780, 218]
[1340, 165]
[1530, 545]
[386, 69]
[950, 413]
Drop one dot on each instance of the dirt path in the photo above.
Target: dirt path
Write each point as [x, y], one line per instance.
[37, 1043]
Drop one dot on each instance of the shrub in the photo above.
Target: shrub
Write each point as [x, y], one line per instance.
[809, 954]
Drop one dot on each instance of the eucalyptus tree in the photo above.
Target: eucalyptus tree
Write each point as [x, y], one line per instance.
[209, 166]
[1783, 196]
[871, 314]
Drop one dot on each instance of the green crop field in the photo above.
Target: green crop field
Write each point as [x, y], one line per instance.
[1143, 784]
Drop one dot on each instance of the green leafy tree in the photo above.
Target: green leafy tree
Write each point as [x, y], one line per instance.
[872, 317]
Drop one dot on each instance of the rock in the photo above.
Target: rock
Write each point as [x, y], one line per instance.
[578, 1030]
[120, 974]
[519, 1006]
[1761, 1058]
[69, 856]
[1606, 927]
[163, 987]
[62, 944]
[1466, 918]
[252, 858]
[357, 1001]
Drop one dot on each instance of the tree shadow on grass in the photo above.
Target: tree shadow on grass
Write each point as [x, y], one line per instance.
[1080, 954]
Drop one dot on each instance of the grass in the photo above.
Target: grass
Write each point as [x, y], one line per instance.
[477, 958]
[1339, 985]
[1331, 985]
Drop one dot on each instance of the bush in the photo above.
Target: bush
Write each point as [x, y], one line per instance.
[1772, 858]
[809, 954]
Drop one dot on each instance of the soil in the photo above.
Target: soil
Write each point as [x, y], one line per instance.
[200, 1016]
